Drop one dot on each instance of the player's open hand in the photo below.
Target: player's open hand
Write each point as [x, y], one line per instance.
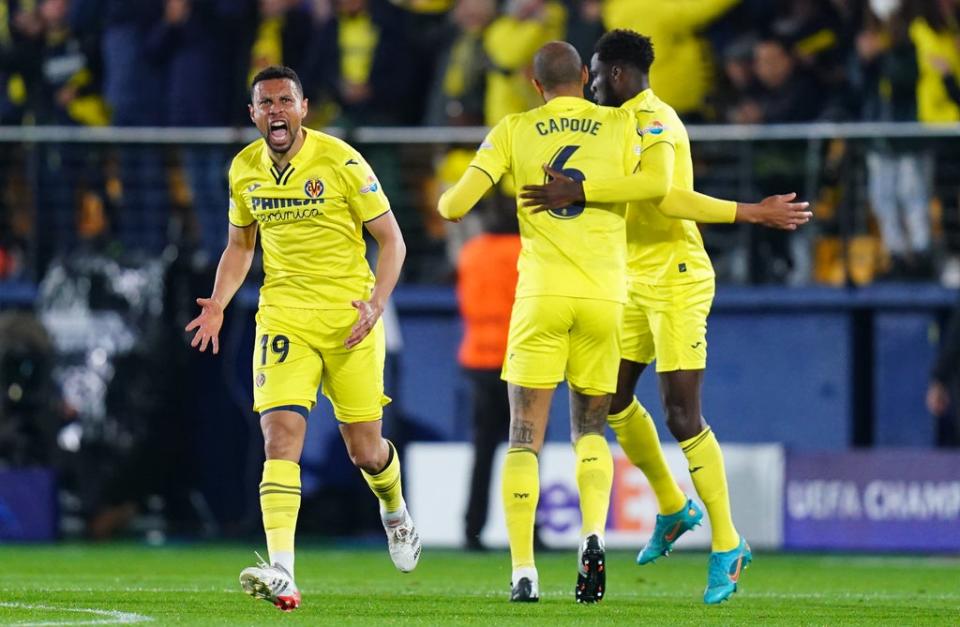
[561, 191]
[781, 212]
[369, 314]
[207, 324]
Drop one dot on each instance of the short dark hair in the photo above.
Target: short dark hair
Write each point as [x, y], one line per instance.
[626, 47]
[276, 71]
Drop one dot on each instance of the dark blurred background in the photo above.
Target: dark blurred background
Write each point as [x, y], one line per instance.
[118, 121]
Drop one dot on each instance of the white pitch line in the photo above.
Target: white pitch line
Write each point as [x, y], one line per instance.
[137, 589]
[109, 617]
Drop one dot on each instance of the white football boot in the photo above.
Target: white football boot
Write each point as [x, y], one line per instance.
[271, 583]
[403, 540]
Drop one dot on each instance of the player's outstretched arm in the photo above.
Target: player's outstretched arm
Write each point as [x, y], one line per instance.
[460, 199]
[231, 271]
[654, 183]
[393, 250]
[776, 212]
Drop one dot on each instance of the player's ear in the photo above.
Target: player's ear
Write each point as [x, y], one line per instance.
[538, 87]
[304, 107]
[584, 75]
[253, 118]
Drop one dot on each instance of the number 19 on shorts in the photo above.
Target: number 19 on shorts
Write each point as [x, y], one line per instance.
[280, 345]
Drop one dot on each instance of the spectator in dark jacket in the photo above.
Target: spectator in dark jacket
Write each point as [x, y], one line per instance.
[787, 93]
[359, 59]
[456, 97]
[131, 85]
[63, 71]
[187, 45]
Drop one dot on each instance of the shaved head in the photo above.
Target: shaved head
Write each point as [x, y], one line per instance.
[557, 63]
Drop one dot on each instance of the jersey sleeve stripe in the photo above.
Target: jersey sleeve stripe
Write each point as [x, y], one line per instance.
[662, 141]
[242, 226]
[379, 215]
[489, 176]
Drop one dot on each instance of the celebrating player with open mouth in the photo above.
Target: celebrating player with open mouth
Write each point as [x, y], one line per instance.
[310, 196]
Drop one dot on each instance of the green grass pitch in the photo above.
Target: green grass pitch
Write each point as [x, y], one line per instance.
[197, 585]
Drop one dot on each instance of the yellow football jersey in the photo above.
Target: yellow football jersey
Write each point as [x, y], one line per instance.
[311, 218]
[663, 250]
[580, 250]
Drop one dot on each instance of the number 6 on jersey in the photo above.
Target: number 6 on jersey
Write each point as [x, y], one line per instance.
[558, 163]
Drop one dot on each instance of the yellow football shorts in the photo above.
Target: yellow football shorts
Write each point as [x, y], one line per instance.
[667, 324]
[296, 351]
[553, 338]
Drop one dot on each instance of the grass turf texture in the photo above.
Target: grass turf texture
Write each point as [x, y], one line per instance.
[197, 584]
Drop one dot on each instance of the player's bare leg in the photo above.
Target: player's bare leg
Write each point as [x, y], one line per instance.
[594, 472]
[529, 412]
[379, 462]
[283, 433]
[627, 378]
[680, 393]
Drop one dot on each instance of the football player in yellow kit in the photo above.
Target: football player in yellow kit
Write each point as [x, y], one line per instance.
[670, 291]
[310, 196]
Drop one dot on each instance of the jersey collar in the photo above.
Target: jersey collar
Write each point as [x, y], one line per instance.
[643, 100]
[567, 103]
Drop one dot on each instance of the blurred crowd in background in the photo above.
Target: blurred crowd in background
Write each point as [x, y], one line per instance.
[466, 62]
[119, 238]
[187, 63]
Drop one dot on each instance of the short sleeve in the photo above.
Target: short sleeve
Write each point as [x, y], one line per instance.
[493, 155]
[239, 213]
[363, 191]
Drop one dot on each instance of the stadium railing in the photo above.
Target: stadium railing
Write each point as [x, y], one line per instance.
[823, 162]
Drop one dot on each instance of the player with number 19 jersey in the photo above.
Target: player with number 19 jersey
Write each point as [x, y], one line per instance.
[577, 252]
[310, 216]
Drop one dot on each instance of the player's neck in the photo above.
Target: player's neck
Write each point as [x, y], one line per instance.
[281, 160]
[636, 86]
[568, 91]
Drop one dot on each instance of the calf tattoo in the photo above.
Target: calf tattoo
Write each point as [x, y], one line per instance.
[588, 414]
[521, 432]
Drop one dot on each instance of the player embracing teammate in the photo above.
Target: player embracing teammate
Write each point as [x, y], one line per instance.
[571, 263]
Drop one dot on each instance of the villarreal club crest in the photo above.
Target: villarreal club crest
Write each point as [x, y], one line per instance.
[313, 188]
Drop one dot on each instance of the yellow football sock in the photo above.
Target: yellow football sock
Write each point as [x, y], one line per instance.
[594, 481]
[280, 504]
[710, 479]
[520, 491]
[386, 483]
[638, 438]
